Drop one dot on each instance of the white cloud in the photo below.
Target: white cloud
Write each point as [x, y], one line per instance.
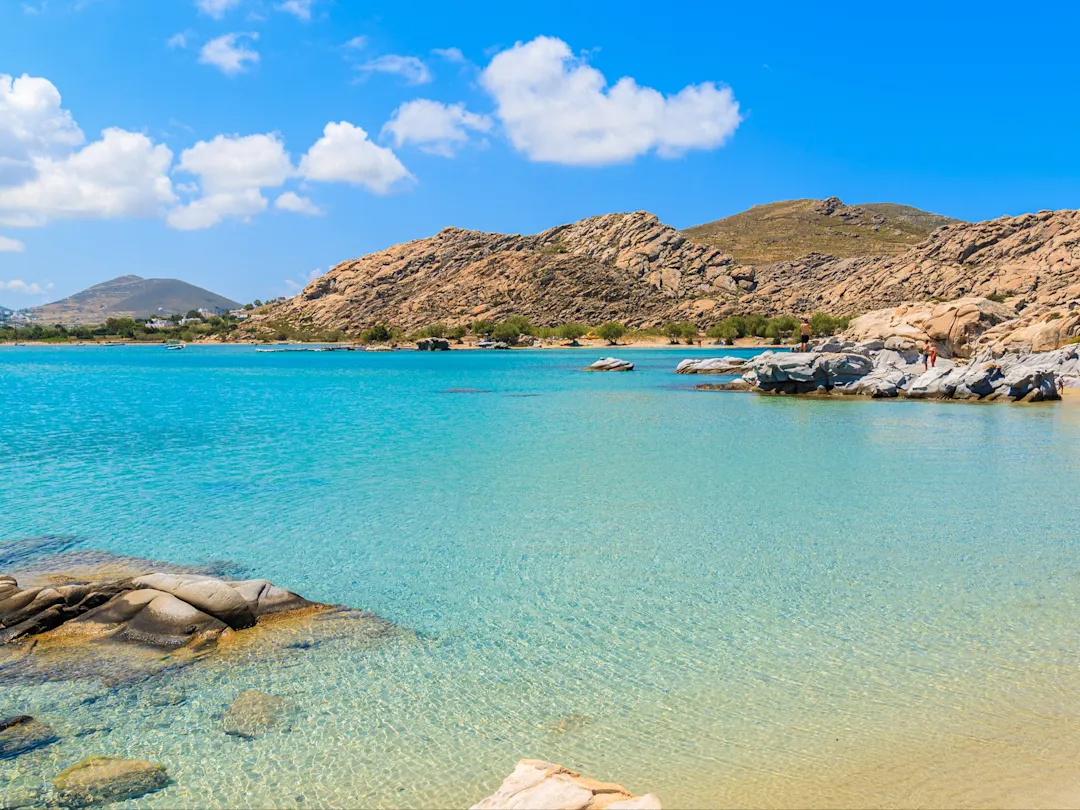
[32, 123]
[232, 171]
[179, 40]
[357, 43]
[449, 54]
[433, 126]
[229, 54]
[294, 203]
[301, 9]
[9, 245]
[216, 8]
[234, 162]
[210, 210]
[122, 175]
[558, 109]
[410, 68]
[20, 287]
[345, 154]
[44, 175]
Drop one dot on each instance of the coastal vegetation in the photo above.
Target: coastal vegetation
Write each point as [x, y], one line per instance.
[180, 327]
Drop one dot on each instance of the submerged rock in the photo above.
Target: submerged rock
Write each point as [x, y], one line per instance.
[539, 785]
[610, 364]
[99, 780]
[21, 734]
[712, 365]
[253, 713]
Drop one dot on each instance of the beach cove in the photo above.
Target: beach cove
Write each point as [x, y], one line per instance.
[723, 600]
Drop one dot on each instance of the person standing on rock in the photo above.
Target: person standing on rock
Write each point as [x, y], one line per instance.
[932, 354]
[804, 335]
[926, 355]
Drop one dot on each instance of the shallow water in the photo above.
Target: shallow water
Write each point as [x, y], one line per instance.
[720, 598]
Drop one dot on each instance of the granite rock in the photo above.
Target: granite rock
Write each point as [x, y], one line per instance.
[538, 785]
[610, 364]
[21, 734]
[712, 365]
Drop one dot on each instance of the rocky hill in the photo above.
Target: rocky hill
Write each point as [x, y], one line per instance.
[131, 297]
[626, 267]
[633, 268]
[783, 231]
[1029, 259]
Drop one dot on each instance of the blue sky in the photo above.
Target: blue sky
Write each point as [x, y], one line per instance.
[250, 143]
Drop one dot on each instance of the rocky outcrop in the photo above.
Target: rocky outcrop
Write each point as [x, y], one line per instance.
[163, 610]
[954, 326]
[874, 371]
[121, 629]
[100, 780]
[539, 785]
[712, 365]
[1037, 329]
[610, 364]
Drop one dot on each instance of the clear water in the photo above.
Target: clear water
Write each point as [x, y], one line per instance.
[715, 597]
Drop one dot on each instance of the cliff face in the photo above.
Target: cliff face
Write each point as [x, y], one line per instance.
[634, 269]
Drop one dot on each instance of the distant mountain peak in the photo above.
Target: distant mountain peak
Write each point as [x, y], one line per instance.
[131, 296]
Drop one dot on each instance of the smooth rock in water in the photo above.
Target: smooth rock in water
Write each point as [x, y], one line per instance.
[610, 364]
[23, 733]
[99, 780]
[206, 594]
[22, 799]
[712, 365]
[539, 785]
[253, 713]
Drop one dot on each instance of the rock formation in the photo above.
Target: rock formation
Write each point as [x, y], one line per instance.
[632, 268]
[539, 785]
[712, 365]
[871, 369]
[117, 629]
[610, 364]
[252, 714]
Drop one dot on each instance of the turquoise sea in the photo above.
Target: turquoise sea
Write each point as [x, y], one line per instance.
[720, 598]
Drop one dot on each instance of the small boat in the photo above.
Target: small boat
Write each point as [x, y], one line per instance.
[174, 344]
[175, 347]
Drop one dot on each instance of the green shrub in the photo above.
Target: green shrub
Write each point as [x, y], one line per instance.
[611, 332]
[376, 334]
[482, 327]
[571, 331]
[436, 330]
[457, 333]
[1054, 316]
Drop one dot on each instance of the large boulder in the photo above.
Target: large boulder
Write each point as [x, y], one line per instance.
[954, 326]
[805, 372]
[610, 364]
[539, 785]
[712, 365]
[100, 780]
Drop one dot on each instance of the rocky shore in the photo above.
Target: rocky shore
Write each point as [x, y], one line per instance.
[880, 370]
